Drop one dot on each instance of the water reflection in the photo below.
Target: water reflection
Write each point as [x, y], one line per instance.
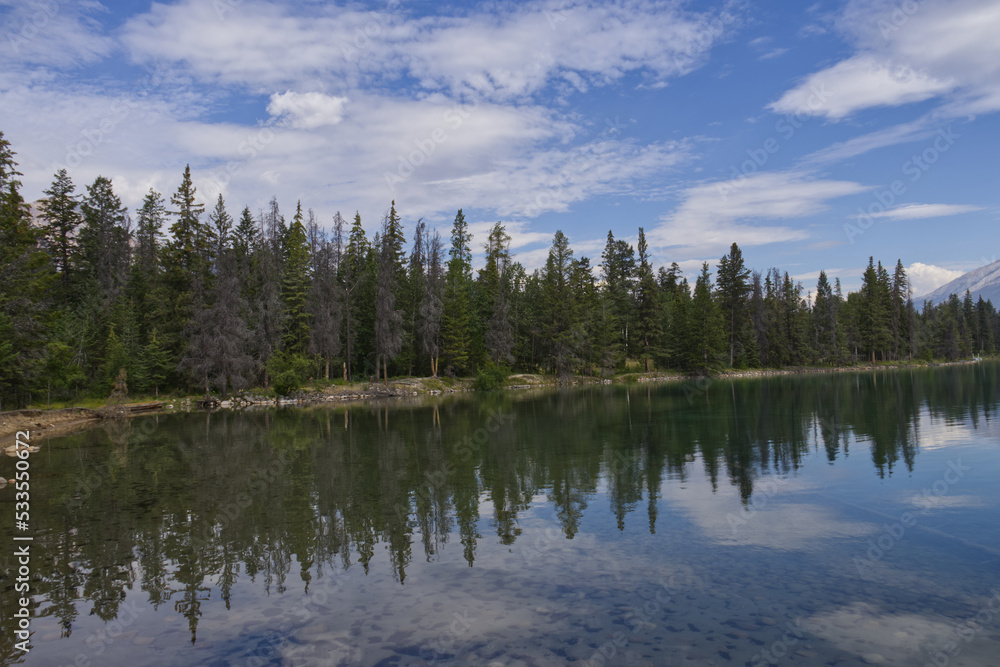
[184, 507]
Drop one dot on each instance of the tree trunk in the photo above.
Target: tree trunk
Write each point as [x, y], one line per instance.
[327, 367]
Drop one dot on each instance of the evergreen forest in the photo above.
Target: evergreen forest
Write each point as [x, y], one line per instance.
[187, 297]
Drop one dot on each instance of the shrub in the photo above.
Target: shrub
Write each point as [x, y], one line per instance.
[287, 371]
[491, 377]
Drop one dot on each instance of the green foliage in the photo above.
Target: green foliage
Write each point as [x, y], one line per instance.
[491, 376]
[156, 365]
[456, 333]
[288, 371]
[215, 303]
[25, 289]
[295, 285]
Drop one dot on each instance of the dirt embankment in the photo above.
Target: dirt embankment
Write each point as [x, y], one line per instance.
[42, 422]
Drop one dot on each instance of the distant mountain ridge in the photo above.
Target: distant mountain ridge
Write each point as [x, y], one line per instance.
[984, 282]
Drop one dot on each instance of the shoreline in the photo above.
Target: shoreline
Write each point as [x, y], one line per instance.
[46, 423]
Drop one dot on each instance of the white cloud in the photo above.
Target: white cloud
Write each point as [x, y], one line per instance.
[921, 211]
[941, 49]
[922, 128]
[51, 33]
[431, 155]
[926, 278]
[307, 110]
[714, 215]
[495, 55]
[858, 83]
[774, 53]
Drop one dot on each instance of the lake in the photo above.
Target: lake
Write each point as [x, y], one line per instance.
[846, 518]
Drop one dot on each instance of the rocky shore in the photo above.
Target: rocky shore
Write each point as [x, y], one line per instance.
[49, 422]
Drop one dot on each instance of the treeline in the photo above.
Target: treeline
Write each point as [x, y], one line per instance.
[181, 298]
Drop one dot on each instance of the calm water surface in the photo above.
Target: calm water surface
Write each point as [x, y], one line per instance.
[822, 520]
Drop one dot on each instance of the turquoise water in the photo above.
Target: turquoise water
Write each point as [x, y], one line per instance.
[828, 519]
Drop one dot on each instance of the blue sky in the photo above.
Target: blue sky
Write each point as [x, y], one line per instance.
[813, 136]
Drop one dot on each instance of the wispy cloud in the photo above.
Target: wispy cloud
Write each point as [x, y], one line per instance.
[938, 50]
[493, 54]
[711, 216]
[921, 211]
[51, 33]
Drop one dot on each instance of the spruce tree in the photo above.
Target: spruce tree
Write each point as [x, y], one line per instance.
[733, 289]
[357, 278]
[495, 278]
[825, 327]
[185, 264]
[648, 310]
[60, 216]
[704, 326]
[874, 314]
[219, 231]
[899, 312]
[432, 302]
[560, 317]
[456, 340]
[189, 246]
[295, 286]
[26, 278]
[325, 297]
[618, 270]
[150, 218]
[390, 275]
[105, 240]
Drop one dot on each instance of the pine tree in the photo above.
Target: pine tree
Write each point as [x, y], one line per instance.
[796, 322]
[899, 312]
[150, 218]
[61, 216]
[185, 264]
[704, 326]
[390, 275]
[295, 286]
[984, 341]
[585, 302]
[357, 279]
[674, 288]
[618, 269]
[188, 248]
[263, 282]
[456, 340]
[325, 299]
[560, 324]
[733, 289]
[105, 240]
[156, 364]
[825, 327]
[495, 278]
[432, 302]
[26, 279]
[218, 351]
[648, 311]
[246, 236]
[874, 320]
[219, 230]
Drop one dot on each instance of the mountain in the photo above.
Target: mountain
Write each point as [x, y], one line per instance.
[984, 281]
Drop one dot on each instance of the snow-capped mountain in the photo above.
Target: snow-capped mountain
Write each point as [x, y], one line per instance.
[984, 281]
